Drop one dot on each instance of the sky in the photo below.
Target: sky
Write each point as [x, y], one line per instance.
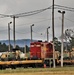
[41, 21]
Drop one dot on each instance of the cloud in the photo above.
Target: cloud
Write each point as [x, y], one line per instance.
[41, 20]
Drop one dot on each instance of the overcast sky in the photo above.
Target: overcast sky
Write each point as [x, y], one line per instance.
[41, 21]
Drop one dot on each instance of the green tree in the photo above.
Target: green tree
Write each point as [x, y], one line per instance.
[71, 43]
[57, 44]
[27, 49]
[4, 47]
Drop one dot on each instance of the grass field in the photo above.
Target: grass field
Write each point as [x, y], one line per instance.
[39, 71]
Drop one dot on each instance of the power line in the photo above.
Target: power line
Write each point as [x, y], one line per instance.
[37, 11]
[64, 8]
[26, 13]
[37, 21]
[19, 32]
[32, 12]
[37, 33]
[69, 19]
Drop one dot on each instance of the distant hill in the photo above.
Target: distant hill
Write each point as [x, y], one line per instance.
[20, 42]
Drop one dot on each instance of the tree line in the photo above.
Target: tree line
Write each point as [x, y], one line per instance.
[4, 47]
[67, 46]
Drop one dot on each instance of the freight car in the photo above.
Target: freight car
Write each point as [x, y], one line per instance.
[11, 60]
[68, 58]
[40, 53]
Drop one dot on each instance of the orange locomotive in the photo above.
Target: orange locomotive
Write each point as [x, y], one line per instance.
[41, 50]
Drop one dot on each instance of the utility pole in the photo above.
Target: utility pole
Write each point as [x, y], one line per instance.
[14, 30]
[62, 12]
[9, 33]
[31, 31]
[47, 34]
[53, 33]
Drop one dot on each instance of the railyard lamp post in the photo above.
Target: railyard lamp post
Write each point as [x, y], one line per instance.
[9, 33]
[31, 31]
[62, 12]
[47, 34]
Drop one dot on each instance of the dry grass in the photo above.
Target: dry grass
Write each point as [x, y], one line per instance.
[39, 71]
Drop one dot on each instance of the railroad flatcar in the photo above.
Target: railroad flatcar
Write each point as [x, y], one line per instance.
[40, 53]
